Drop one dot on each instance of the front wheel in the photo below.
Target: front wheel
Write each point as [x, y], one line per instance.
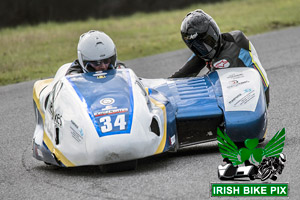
[266, 174]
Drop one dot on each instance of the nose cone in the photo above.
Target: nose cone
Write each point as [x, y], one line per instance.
[109, 99]
[138, 143]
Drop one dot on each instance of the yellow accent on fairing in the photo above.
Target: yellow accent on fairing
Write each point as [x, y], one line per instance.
[37, 88]
[164, 139]
[147, 90]
[256, 65]
[265, 133]
[56, 152]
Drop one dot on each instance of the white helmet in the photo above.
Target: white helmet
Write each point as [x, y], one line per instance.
[95, 46]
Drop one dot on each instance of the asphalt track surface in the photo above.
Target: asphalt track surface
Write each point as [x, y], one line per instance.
[186, 174]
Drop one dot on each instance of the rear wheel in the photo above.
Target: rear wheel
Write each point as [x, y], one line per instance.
[119, 167]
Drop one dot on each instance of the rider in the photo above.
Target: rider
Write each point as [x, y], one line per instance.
[216, 50]
[96, 52]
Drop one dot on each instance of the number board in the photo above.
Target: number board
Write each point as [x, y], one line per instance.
[109, 100]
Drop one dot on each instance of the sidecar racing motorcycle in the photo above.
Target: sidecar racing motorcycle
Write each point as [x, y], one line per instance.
[100, 118]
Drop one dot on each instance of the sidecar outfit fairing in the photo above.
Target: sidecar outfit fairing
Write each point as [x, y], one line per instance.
[113, 116]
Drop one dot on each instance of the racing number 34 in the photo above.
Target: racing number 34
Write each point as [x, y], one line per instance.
[107, 126]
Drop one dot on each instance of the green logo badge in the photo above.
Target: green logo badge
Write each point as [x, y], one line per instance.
[270, 159]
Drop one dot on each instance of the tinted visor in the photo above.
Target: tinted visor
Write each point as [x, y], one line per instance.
[91, 65]
[97, 62]
[203, 45]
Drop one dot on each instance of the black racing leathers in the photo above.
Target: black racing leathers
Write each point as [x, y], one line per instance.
[75, 68]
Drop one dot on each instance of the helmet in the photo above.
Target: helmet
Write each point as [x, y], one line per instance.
[96, 46]
[201, 34]
[282, 158]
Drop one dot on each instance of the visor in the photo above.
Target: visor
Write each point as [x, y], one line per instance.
[90, 66]
[202, 46]
[97, 62]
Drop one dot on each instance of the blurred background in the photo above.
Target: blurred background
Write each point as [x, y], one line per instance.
[39, 36]
[17, 12]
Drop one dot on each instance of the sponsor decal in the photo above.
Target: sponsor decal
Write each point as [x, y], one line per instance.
[235, 98]
[100, 74]
[235, 76]
[99, 77]
[240, 91]
[172, 139]
[221, 64]
[51, 109]
[236, 83]
[76, 132]
[110, 112]
[242, 98]
[191, 37]
[107, 101]
[247, 96]
[258, 163]
[109, 108]
[57, 120]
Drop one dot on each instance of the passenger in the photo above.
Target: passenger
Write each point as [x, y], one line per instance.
[216, 50]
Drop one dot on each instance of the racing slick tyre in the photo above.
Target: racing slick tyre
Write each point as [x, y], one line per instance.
[119, 167]
[266, 174]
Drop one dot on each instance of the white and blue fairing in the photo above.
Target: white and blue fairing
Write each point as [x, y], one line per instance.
[113, 116]
[100, 118]
[107, 96]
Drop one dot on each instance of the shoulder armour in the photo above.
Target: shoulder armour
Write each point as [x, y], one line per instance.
[75, 68]
[238, 37]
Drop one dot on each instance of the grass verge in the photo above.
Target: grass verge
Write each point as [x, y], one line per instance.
[34, 52]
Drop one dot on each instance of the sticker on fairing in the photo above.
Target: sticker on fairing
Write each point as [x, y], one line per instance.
[241, 89]
[76, 131]
[221, 64]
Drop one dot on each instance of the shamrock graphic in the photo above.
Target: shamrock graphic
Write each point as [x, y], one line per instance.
[251, 151]
[238, 156]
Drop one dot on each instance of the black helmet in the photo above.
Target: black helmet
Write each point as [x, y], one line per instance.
[201, 34]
